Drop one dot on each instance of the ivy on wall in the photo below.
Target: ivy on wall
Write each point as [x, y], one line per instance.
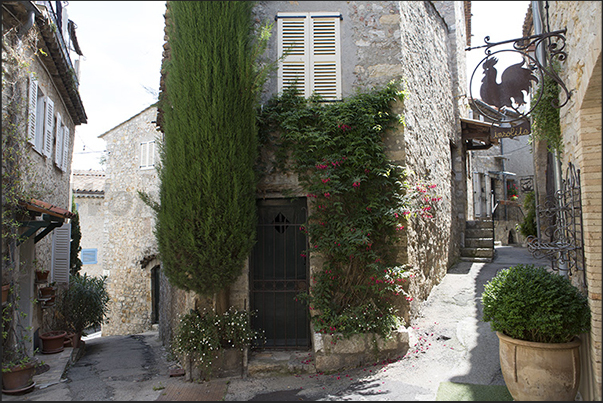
[360, 201]
[546, 124]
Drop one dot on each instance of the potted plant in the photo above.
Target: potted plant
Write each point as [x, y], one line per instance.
[512, 191]
[538, 316]
[53, 342]
[84, 304]
[42, 274]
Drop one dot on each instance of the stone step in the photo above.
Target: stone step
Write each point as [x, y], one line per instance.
[479, 242]
[478, 233]
[476, 259]
[477, 252]
[475, 224]
[284, 362]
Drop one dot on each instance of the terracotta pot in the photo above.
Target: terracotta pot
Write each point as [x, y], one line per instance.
[46, 292]
[52, 342]
[76, 340]
[42, 276]
[68, 342]
[19, 379]
[5, 289]
[540, 371]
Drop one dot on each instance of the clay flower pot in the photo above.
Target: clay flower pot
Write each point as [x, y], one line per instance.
[47, 292]
[19, 379]
[53, 342]
[42, 276]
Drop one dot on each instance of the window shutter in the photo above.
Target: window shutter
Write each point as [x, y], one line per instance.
[58, 152]
[143, 154]
[48, 128]
[151, 153]
[65, 149]
[293, 41]
[89, 256]
[326, 58]
[61, 249]
[33, 106]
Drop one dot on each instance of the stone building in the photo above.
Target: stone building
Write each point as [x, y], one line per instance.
[581, 137]
[40, 98]
[373, 43]
[128, 243]
[88, 189]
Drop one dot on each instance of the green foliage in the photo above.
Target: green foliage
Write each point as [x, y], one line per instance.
[207, 190]
[361, 202]
[85, 303]
[528, 226]
[75, 263]
[545, 116]
[530, 303]
[202, 335]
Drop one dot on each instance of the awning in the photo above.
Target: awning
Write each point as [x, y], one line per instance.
[476, 134]
[50, 217]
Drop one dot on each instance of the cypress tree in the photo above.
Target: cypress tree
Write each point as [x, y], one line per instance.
[206, 218]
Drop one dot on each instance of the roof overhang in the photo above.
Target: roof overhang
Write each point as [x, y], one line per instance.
[43, 216]
[476, 134]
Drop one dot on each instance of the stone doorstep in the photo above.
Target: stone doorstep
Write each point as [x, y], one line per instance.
[285, 362]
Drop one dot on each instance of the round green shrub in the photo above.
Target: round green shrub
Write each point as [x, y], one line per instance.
[532, 304]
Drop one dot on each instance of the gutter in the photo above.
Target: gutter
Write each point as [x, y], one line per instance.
[32, 13]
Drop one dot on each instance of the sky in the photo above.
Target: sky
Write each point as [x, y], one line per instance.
[122, 45]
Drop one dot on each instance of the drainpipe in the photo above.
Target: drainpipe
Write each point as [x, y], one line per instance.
[28, 24]
[541, 57]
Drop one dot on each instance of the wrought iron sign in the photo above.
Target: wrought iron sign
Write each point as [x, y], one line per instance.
[508, 96]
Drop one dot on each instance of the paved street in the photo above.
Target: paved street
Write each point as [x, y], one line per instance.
[449, 342]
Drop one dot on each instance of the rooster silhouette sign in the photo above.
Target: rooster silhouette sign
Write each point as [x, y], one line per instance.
[514, 81]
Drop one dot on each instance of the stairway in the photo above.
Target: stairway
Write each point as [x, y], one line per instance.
[479, 241]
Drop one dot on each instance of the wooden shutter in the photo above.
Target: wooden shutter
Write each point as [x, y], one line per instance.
[61, 249]
[325, 57]
[48, 127]
[58, 152]
[33, 106]
[151, 160]
[293, 42]
[143, 154]
[65, 148]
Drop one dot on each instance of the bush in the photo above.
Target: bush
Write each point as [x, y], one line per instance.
[84, 303]
[201, 335]
[528, 226]
[530, 303]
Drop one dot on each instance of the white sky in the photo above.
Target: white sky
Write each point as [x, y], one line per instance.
[122, 43]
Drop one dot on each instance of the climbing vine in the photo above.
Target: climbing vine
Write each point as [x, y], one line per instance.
[361, 202]
[545, 116]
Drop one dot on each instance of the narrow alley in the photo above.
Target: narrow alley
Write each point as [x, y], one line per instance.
[450, 348]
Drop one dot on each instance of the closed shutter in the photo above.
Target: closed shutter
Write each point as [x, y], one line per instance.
[61, 249]
[293, 43]
[151, 160]
[48, 127]
[65, 148]
[309, 44]
[33, 106]
[58, 152]
[143, 154]
[326, 57]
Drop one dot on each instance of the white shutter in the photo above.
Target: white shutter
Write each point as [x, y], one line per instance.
[293, 41]
[65, 149]
[33, 107]
[143, 154]
[61, 249]
[151, 153]
[326, 57]
[58, 152]
[48, 128]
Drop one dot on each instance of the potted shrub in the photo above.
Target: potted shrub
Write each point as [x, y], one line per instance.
[53, 342]
[537, 316]
[42, 274]
[84, 304]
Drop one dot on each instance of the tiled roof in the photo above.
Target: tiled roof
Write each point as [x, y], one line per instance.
[89, 183]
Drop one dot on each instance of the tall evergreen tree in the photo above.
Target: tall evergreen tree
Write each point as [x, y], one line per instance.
[206, 217]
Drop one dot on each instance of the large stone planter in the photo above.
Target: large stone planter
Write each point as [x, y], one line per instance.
[540, 371]
[332, 353]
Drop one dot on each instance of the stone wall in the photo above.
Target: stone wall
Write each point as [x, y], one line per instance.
[128, 239]
[581, 131]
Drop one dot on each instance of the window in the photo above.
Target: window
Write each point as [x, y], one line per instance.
[311, 45]
[61, 155]
[147, 154]
[88, 256]
[41, 118]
